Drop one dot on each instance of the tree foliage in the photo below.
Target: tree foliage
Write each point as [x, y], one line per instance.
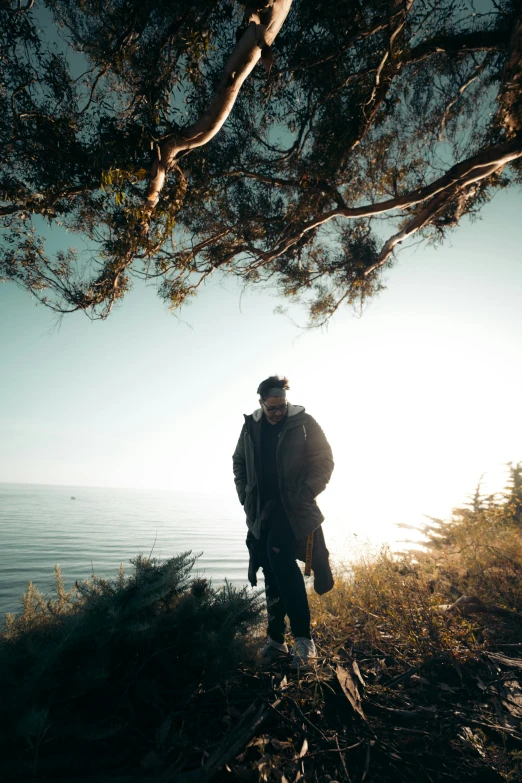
[149, 127]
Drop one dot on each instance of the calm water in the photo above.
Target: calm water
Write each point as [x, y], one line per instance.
[101, 528]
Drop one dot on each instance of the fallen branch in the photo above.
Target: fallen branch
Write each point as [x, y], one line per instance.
[504, 660]
[466, 605]
[231, 745]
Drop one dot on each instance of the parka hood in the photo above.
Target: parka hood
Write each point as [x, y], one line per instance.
[293, 410]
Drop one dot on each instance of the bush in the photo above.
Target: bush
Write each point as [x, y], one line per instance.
[111, 660]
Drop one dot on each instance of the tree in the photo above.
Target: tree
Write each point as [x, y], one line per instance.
[180, 158]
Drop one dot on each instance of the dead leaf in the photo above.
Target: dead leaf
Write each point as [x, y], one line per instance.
[257, 741]
[357, 673]
[495, 701]
[367, 762]
[471, 740]
[418, 678]
[349, 686]
[480, 683]
[513, 700]
[280, 744]
[444, 687]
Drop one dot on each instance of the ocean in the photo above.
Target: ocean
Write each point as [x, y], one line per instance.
[86, 529]
[92, 529]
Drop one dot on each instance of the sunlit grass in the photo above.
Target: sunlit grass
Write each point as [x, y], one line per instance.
[392, 601]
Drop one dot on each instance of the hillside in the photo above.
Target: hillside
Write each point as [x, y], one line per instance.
[154, 675]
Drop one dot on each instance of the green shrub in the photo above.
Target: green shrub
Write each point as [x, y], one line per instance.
[110, 659]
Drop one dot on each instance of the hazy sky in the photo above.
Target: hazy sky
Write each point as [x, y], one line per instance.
[418, 397]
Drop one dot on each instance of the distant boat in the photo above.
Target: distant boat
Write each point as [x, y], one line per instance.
[72, 497]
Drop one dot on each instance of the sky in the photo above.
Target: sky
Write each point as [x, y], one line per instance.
[418, 397]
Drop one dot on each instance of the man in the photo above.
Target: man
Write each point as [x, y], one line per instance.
[281, 463]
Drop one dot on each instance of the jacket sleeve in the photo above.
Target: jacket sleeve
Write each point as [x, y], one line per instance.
[320, 458]
[239, 467]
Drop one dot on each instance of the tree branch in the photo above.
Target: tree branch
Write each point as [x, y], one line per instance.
[482, 41]
[359, 36]
[274, 181]
[465, 43]
[453, 101]
[261, 32]
[304, 184]
[99, 76]
[380, 89]
[462, 174]
[37, 207]
[425, 216]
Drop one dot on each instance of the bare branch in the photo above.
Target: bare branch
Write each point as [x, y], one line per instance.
[462, 174]
[304, 184]
[102, 73]
[274, 181]
[481, 41]
[453, 101]
[425, 216]
[380, 89]
[261, 32]
[37, 206]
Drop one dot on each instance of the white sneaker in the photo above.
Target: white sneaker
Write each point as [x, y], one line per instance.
[303, 650]
[272, 651]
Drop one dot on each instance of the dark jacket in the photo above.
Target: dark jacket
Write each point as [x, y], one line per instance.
[323, 577]
[304, 466]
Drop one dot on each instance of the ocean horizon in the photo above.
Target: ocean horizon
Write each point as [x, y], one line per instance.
[88, 530]
[94, 529]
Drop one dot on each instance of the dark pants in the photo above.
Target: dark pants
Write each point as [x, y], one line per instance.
[284, 582]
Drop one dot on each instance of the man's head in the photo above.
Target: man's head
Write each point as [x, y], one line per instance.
[272, 398]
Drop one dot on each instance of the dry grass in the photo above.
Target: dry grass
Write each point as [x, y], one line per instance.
[390, 601]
